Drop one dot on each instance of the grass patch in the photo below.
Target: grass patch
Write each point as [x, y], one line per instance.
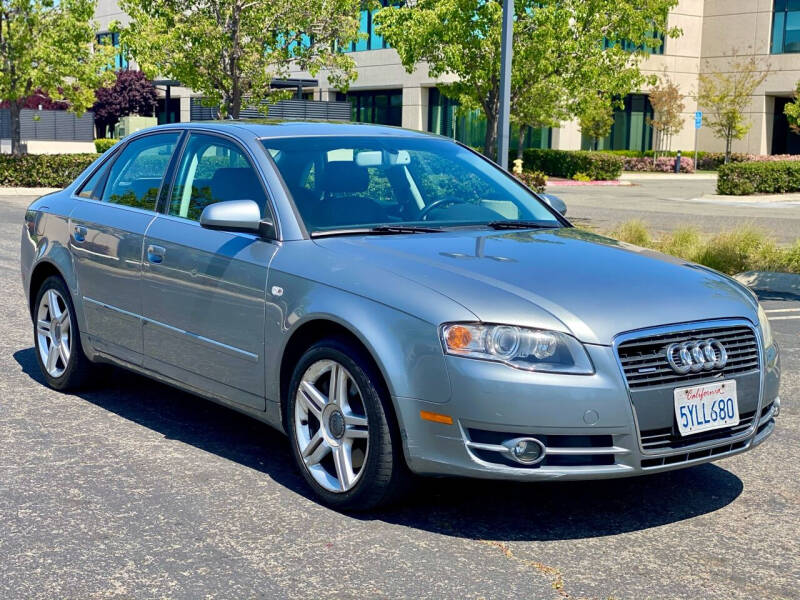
[731, 252]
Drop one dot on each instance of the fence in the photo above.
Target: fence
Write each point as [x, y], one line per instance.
[51, 125]
[285, 109]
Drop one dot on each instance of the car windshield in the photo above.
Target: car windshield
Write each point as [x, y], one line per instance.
[398, 184]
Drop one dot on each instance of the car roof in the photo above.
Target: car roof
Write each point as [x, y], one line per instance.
[263, 128]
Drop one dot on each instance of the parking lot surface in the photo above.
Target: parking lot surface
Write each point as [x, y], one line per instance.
[134, 490]
[667, 204]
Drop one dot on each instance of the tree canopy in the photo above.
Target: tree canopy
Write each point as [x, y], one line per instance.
[726, 95]
[230, 50]
[131, 94]
[48, 46]
[563, 49]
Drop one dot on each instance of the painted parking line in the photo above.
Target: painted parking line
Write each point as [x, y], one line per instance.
[782, 310]
[783, 318]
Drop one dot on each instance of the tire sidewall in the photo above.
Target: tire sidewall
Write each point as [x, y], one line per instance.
[380, 437]
[68, 377]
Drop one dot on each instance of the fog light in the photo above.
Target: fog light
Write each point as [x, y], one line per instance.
[776, 407]
[527, 451]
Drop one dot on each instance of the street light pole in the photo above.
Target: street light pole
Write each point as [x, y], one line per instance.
[506, 52]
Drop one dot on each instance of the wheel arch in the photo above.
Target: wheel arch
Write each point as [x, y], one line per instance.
[40, 273]
[312, 331]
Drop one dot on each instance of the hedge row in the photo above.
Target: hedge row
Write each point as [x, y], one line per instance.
[42, 170]
[662, 164]
[568, 163]
[103, 144]
[741, 179]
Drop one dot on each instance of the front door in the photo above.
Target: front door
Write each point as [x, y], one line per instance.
[106, 233]
[204, 290]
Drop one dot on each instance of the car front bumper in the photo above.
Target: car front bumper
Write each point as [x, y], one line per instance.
[585, 423]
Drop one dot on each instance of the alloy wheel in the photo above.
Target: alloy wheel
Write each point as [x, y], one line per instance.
[331, 426]
[54, 333]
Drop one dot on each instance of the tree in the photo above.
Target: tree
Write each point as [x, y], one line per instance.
[596, 117]
[131, 94]
[48, 45]
[792, 110]
[668, 106]
[726, 95]
[557, 43]
[230, 50]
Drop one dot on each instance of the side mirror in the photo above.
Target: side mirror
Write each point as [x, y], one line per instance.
[555, 202]
[237, 215]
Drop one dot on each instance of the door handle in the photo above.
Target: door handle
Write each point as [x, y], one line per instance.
[79, 233]
[155, 254]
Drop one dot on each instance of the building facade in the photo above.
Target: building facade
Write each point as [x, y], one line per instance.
[714, 31]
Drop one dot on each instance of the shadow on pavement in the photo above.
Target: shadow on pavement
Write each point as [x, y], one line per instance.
[456, 507]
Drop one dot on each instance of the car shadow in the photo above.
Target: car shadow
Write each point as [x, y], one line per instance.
[464, 508]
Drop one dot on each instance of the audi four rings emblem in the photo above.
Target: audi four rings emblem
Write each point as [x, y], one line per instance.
[691, 357]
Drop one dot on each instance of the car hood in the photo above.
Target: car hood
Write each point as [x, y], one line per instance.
[564, 279]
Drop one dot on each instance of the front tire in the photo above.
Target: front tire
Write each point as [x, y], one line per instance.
[57, 339]
[339, 425]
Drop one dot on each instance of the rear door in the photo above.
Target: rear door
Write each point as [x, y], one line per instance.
[204, 290]
[107, 229]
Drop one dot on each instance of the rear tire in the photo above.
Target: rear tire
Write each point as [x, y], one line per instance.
[57, 338]
[340, 426]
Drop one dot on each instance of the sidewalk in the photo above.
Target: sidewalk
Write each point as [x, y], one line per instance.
[646, 176]
[22, 191]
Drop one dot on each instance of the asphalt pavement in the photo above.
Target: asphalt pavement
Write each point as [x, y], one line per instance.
[666, 204]
[134, 490]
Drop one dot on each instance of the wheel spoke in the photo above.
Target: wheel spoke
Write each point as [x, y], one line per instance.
[52, 302]
[355, 421]
[44, 327]
[63, 352]
[316, 449]
[344, 466]
[356, 434]
[52, 358]
[338, 384]
[313, 399]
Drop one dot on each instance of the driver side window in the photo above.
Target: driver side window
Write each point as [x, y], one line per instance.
[212, 170]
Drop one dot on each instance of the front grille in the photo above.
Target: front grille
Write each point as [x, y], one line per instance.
[644, 360]
[669, 438]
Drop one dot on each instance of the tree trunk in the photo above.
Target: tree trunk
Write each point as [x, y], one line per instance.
[728, 144]
[15, 108]
[490, 141]
[523, 131]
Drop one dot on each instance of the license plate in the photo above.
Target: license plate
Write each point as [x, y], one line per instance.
[705, 407]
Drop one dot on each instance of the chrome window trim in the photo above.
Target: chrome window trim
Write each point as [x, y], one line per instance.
[677, 328]
[254, 164]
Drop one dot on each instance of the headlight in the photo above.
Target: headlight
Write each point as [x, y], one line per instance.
[530, 349]
[766, 330]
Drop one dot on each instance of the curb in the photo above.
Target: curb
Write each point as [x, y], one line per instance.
[572, 183]
[26, 191]
[768, 281]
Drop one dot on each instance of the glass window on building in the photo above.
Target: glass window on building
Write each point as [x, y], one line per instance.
[370, 39]
[470, 129]
[786, 26]
[630, 130]
[121, 56]
[384, 107]
[649, 49]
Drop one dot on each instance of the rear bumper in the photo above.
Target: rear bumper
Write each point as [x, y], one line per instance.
[586, 424]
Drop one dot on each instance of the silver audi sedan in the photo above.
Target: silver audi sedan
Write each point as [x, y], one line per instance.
[396, 304]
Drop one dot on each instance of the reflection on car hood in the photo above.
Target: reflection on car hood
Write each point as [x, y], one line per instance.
[566, 279]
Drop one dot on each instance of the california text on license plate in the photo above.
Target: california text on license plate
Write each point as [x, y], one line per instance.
[704, 407]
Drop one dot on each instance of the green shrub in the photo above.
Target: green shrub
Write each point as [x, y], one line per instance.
[536, 180]
[42, 170]
[731, 252]
[580, 176]
[741, 179]
[103, 144]
[634, 232]
[566, 163]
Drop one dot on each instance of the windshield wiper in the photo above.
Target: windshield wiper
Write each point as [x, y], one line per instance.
[378, 229]
[520, 224]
